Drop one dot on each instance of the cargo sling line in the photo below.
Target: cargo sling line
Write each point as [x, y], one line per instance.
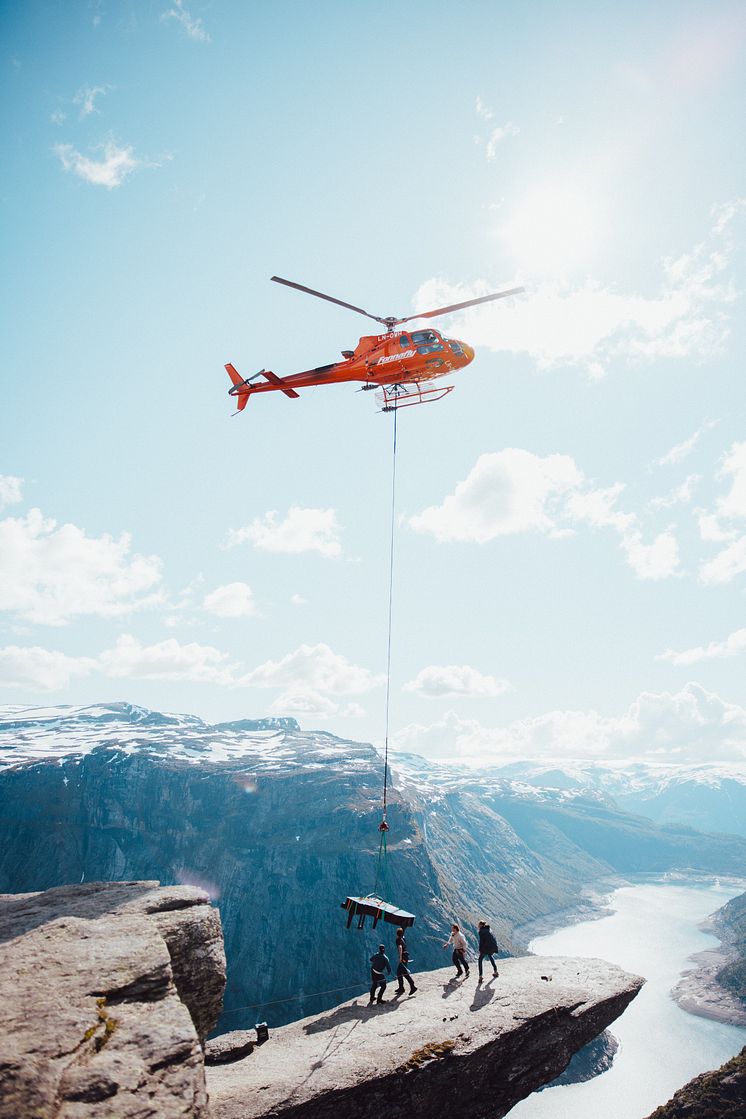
[383, 827]
[376, 904]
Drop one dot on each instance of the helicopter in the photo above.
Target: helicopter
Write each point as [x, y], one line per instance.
[401, 363]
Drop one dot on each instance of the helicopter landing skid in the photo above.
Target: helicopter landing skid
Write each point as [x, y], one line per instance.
[406, 395]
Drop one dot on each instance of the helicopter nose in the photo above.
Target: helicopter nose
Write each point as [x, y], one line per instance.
[469, 351]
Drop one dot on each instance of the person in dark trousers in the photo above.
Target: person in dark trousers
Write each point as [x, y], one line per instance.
[458, 940]
[487, 947]
[402, 971]
[379, 965]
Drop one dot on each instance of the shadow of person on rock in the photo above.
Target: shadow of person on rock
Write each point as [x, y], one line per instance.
[350, 1013]
[451, 986]
[482, 995]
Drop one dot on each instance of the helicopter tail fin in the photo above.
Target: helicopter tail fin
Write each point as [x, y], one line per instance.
[240, 390]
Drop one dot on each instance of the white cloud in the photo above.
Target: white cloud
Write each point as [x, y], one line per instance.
[33, 667]
[497, 136]
[115, 164]
[306, 701]
[233, 600]
[658, 560]
[559, 324]
[733, 504]
[734, 644]
[312, 668]
[680, 495]
[505, 492]
[302, 530]
[451, 680]
[10, 490]
[692, 725]
[482, 110]
[710, 527]
[303, 701]
[58, 116]
[514, 491]
[681, 450]
[726, 564]
[86, 98]
[50, 575]
[722, 524]
[166, 660]
[597, 507]
[297, 600]
[192, 26]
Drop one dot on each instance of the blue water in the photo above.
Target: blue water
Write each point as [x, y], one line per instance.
[652, 931]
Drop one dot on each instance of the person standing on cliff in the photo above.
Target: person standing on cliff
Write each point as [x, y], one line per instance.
[379, 965]
[458, 940]
[402, 971]
[487, 947]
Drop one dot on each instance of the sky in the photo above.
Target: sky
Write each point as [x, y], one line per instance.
[570, 544]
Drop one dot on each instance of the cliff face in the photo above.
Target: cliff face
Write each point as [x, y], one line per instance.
[280, 825]
[453, 1048]
[107, 992]
[730, 925]
[713, 1095]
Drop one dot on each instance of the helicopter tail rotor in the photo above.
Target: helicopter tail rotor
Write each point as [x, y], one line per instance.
[241, 385]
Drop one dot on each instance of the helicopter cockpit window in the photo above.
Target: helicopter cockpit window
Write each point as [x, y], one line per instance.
[426, 341]
[456, 347]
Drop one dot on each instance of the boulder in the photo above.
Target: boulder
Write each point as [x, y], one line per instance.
[107, 991]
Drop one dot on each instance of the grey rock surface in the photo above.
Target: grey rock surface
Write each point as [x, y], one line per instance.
[229, 1047]
[106, 994]
[454, 1048]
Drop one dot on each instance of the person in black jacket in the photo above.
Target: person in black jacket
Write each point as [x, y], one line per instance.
[487, 947]
[379, 965]
[402, 971]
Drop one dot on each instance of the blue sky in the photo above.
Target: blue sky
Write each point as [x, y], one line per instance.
[571, 543]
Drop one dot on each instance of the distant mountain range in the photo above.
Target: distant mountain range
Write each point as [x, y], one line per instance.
[280, 824]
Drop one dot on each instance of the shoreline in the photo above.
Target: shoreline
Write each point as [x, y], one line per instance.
[593, 905]
[697, 991]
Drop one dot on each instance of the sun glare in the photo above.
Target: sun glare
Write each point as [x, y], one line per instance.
[554, 230]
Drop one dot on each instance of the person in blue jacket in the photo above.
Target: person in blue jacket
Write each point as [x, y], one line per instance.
[379, 965]
[487, 947]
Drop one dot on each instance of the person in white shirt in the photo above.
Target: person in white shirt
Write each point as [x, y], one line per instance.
[458, 940]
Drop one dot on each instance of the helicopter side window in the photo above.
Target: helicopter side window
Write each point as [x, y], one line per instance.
[404, 341]
[426, 341]
[456, 347]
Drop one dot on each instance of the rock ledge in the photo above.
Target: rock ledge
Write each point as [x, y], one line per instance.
[453, 1048]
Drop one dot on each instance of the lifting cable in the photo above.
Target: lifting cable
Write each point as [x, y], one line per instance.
[383, 827]
[293, 998]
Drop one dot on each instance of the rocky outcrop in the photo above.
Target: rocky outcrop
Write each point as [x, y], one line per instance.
[454, 1048]
[716, 986]
[713, 1095]
[107, 992]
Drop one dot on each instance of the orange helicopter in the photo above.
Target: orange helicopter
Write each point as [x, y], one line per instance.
[400, 363]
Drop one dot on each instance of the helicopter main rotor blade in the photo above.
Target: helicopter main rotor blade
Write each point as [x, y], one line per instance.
[460, 306]
[329, 298]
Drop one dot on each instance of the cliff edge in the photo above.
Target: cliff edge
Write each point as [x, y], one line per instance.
[452, 1048]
